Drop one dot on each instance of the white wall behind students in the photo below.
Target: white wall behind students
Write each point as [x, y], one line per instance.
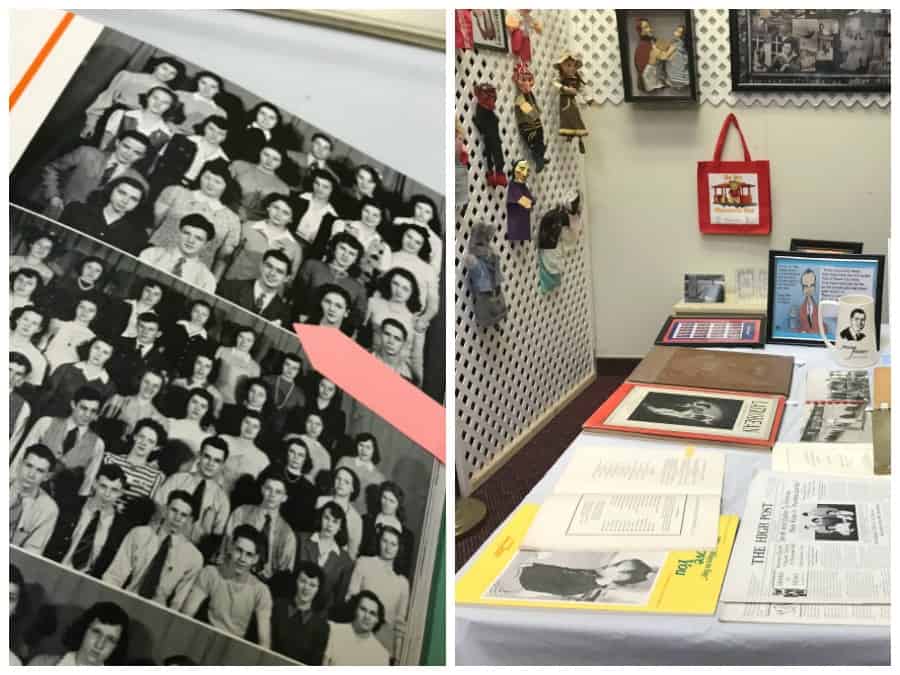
[830, 180]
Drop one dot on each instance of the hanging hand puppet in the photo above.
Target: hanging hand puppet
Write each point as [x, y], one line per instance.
[557, 236]
[519, 203]
[520, 27]
[485, 277]
[528, 116]
[569, 85]
[488, 124]
[462, 168]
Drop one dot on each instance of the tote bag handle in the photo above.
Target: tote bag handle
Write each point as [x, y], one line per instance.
[720, 143]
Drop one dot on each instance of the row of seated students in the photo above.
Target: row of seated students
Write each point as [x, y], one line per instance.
[106, 634]
[133, 186]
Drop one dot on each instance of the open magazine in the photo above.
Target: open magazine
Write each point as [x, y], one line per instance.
[624, 499]
[677, 582]
[812, 540]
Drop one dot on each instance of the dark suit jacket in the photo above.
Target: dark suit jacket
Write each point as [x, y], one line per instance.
[240, 292]
[61, 539]
[846, 334]
[304, 642]
[126, 233]
[73, 176]
[127, 366]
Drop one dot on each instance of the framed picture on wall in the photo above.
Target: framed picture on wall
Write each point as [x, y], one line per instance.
[811, 50]
[822, 246]
[798, 282]
[657, 51]
[489, 29]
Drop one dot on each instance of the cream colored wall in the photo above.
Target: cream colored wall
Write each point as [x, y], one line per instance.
[830, 180]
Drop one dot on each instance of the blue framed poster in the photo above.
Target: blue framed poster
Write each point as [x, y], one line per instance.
[798, 282]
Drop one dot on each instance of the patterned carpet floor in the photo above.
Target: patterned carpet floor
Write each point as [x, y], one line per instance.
[504, 490]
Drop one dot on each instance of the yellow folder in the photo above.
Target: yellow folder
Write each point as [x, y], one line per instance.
[688, 582]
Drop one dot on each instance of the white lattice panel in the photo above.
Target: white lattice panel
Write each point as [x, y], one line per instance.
[595, 35]
[509, 375]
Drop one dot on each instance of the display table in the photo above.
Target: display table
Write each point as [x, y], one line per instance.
[528, 636]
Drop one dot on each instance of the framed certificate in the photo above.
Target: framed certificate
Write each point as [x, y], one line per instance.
[713, 331]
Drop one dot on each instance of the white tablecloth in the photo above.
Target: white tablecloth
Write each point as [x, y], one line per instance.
[526, 636]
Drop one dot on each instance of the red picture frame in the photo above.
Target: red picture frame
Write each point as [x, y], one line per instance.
[599, 421]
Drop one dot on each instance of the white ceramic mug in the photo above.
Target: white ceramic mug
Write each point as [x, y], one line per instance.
[854, 344]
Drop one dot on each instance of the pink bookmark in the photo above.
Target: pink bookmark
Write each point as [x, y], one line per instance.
[374, 384]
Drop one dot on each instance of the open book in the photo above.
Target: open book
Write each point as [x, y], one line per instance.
[626, 499]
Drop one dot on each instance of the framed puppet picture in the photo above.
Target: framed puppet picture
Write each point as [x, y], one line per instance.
[811, 50]
[657, 51]
[489, 29]
[799, 282]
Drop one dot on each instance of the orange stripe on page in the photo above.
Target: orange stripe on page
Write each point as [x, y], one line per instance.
[374, 384]
[40, 58]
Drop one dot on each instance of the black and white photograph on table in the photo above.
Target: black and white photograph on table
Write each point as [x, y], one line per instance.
[827, 384]
[169, 438]
[704, 288]
[600, 578]
[836, 422]
[687, 410]
[140, 139]
[811, 49]
[832, 522]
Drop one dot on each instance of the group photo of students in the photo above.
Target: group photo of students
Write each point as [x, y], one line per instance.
[199, 178]
[173, 445]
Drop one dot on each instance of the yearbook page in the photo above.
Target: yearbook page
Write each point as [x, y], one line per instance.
[171, 232]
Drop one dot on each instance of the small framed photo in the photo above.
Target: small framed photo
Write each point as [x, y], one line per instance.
[822, 246]
[799, 281]
[713, 331]
[787, 50]
[686, 412]
[489, 29]
[704, 288]
[657, 50]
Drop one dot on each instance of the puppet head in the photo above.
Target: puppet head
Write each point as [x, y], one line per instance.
[644, 29]
[480, 239]
[568, 64]
[523, 78]
[521, 169]
[486, 94]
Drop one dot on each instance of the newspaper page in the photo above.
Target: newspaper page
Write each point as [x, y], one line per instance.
[831, 384]
[812, 540]
[849, 615]
[622, 499]
[830, 459]
[658, 408]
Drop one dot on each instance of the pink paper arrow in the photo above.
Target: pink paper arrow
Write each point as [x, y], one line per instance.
[375, 385]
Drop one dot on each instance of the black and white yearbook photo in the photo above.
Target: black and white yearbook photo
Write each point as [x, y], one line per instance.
[185, 487]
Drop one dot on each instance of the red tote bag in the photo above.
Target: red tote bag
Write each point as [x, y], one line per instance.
[734, 197]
